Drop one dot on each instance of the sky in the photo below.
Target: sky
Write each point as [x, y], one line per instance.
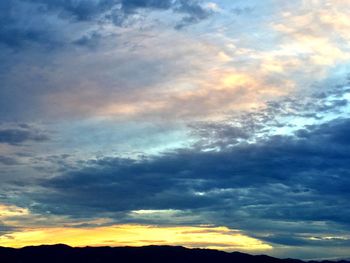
[213, 124]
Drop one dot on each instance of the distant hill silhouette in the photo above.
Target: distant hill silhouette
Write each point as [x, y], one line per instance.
[148, 254]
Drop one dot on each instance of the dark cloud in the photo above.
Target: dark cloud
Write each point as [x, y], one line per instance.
[90, 40]
[16, 37]
[194, 13]
[22, 24]
[280, 184]
[21, 134]
[289, 240]
[38, 21]
[81, 10]
[130, 5]
[316, 241]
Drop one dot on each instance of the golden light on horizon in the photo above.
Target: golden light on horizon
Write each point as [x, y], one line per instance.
[221, 238]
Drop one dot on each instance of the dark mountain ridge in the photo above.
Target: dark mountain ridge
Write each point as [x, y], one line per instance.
[154, 254]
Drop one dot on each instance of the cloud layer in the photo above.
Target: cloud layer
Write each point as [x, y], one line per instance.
[288, 190]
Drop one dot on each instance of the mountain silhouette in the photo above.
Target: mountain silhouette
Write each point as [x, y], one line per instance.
[149, 254]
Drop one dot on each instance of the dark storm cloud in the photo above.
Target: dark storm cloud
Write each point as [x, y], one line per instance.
[279, 184]
[20, 134]
[37, 21]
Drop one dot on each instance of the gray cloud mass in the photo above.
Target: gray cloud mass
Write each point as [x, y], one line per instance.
[31, 21]
[21, 134]
[285, 183]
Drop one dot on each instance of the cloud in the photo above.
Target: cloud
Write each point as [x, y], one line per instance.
[130, 6]
[198, 78]
[277, 185]
[90, 40]
[22, 24]
[89, 62]
[194, 12]
[308, 32]
[83, 10]
[21, 134]
[8, 160]
[36, 21]
[4, 229]
[220, 135]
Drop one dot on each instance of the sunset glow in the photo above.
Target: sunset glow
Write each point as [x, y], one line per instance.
[137, 235]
